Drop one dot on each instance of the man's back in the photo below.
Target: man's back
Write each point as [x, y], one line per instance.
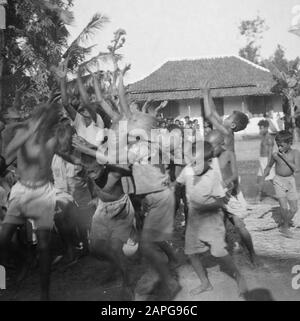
[34, 158]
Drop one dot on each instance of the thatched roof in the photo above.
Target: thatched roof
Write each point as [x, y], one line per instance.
[183, 79]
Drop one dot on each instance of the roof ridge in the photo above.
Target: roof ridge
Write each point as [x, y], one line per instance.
[251, 63]
[200, 57]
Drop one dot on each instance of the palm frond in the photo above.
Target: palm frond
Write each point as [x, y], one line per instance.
[96, 23]
[77, 50]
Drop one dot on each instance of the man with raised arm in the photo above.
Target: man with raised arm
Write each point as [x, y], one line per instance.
[33, 196]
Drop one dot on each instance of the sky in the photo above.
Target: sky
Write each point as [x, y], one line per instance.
[159, 30]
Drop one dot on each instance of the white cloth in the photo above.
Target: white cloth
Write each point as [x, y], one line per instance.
[149, 176]
[263, 162]
[205, 190]
[67, 178]
[94, 133]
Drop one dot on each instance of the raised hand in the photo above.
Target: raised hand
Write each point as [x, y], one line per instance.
[125, 69]
[161, 106]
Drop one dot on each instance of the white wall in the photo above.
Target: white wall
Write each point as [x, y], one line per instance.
[234, 103]
[277, 103]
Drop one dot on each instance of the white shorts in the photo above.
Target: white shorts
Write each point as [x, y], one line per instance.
[36, 203]
[263, 163]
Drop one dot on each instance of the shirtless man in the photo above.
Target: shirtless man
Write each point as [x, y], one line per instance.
[224, 162]
[113, 221]
[235, 122]
[33, 196]
[287, 163]
[266, 150]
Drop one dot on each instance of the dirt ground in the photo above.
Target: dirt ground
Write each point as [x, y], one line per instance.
[277, 254]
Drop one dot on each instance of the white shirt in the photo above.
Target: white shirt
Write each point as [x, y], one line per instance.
[94, 133]
[205, 190]
[149, 176]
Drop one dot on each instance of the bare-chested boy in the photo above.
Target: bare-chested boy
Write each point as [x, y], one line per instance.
[33, 196]
[287, 163]
[266, 150]
[235, 122]
[225, 163]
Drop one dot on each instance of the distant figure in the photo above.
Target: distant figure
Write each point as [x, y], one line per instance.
[266, 150]
[186, 119]
[272, 127]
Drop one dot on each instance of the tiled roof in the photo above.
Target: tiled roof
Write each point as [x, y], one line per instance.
[183, 79]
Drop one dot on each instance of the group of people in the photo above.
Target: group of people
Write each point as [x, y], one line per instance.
[72, 176]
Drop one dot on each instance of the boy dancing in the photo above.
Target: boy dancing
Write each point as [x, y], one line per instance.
[287, 163]
[224, 162]
[205, 226]
[33, 196]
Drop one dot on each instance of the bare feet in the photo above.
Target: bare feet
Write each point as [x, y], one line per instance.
[204, 287]
[255, 261]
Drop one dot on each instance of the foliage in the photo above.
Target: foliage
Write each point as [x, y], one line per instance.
[36, 40]
[252, 31]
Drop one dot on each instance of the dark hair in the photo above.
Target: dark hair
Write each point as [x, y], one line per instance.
[240, 119]
[209, 124]
[64, 135]
[173, 126]
[186, 117]
[263, 123]
[284, 136]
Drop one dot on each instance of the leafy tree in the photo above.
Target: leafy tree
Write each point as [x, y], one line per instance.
[36, 40]
[35, 37]
[286, 74]
[252, 31]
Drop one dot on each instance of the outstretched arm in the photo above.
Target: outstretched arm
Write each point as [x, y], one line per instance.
[85, 98]
[106, 107]
[211, 114]
[269, 166]
[20, 138]
[60, 73]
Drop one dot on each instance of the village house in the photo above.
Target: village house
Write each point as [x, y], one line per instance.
[237, 84]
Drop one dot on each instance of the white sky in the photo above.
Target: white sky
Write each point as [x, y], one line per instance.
[158, 30]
